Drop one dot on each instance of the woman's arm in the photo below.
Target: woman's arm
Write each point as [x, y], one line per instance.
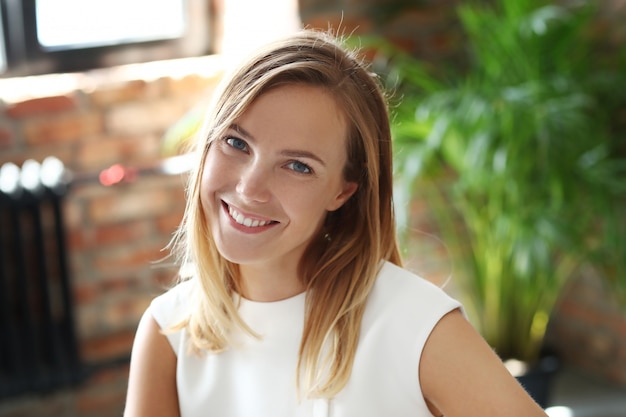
[152, 378]
[460, 375]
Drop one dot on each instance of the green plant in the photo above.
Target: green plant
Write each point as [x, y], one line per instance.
[517, 160]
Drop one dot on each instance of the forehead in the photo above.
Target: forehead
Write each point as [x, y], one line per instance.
[297, 113]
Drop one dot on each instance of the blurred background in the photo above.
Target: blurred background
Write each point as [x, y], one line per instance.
[509, 122]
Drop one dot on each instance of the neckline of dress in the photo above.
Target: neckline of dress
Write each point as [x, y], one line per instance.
[297, 298]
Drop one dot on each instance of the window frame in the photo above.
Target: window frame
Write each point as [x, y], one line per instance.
[24, 56]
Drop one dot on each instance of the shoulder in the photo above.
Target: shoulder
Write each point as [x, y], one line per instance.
[486, 387]
[172, 304]
[152, 373]
[171, 308]
[401, 311]
[404, 307]
[396, 286]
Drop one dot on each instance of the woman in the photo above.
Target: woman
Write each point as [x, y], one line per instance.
[296, 303]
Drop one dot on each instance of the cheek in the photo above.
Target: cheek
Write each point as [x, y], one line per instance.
[213, 170]
[308, 207]
[209, 181]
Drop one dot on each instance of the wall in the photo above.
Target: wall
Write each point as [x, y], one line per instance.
[426, 28]
[91, 121]
[588, 328]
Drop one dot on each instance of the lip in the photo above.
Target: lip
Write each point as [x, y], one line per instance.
[251, 219]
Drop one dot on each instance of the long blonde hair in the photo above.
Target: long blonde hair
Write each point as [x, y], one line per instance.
[340, 265]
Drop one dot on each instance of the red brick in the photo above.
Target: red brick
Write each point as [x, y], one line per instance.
[578, 312]
[356, 3]
[41, 105]
[117, 233]
[74, 220]
[7, 138]
[59, 404]
[601, 344]
[107, 346]
[192, 85]
[164, 278]
[119, 285]
[102, 402]
[143, 150]
[99, 152]
[309, 5]
[344, 24]
[85, 293]
[123, 314]
[125, 258]
[126, 92]
[88, 317]
[418, 18]
[444, 43]
[169, 223]
[64, 129]
[104, 151]
[129, 202]
[145, 117]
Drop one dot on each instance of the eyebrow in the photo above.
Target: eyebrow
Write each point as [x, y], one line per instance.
[302, 154]
[292, 153]
[241, 130]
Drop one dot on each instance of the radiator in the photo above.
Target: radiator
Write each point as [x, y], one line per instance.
[38, 347]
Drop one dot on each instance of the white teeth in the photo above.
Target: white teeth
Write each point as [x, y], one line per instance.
[239, 218]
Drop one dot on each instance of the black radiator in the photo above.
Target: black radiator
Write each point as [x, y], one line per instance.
[38, 347]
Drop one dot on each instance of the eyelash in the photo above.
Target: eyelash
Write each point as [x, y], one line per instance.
[308, 169]
[229, 140]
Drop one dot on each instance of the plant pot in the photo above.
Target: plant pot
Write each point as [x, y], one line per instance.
[536, 379]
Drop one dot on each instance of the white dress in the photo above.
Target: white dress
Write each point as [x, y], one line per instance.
[256, 377]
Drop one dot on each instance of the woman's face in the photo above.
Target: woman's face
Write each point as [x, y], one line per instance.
[269, 181]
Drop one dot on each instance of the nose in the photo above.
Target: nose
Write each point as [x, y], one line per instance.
[254, 183]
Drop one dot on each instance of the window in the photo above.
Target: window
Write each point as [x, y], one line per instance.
[44, 36]
[102, 24]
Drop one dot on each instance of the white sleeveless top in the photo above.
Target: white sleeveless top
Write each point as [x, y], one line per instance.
[256, 377]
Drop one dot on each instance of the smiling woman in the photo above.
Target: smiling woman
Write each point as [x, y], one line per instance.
[293, 300]
[283, 174]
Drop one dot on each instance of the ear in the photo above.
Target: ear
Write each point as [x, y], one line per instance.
[348, 189]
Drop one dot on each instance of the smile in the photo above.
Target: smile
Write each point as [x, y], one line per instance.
[246, 221]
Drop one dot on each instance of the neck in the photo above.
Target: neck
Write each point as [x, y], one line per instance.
[267, 283]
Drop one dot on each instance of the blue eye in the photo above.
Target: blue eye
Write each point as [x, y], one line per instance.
[237, 143]
[299, 167]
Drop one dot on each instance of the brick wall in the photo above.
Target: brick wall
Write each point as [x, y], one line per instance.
[588, 328]
[428, 28]
[91, 121]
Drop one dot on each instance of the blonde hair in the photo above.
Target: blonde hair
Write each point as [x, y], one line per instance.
[338, 272]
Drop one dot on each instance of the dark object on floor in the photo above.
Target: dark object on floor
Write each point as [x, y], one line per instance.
[538, 379]
[38, 347]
